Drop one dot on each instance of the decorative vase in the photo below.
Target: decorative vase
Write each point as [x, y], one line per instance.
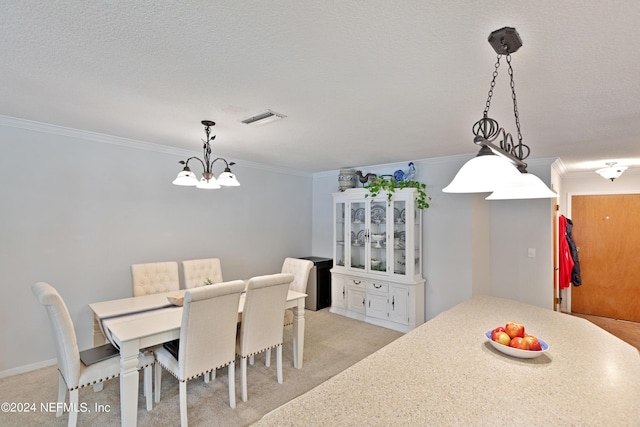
[347, 179]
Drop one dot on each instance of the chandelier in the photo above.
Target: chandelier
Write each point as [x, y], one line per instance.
[499, 166]
[208, 180]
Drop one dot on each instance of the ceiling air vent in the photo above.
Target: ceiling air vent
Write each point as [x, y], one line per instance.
[263, 118]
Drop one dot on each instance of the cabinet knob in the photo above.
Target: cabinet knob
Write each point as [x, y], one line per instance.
[375, 285]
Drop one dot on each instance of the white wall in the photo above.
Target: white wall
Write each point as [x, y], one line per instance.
[77, 212]
[518, 226]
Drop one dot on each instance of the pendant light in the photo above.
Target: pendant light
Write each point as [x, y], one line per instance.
[499, 167]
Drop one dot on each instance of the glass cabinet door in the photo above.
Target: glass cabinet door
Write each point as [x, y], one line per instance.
[378, 236]
[358, 235]
[340, 231]
[399, 237]
[417, 241]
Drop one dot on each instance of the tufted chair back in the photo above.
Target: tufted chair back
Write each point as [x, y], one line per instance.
[196, 272]
[155, 277]
[300, 269]
[64, 334]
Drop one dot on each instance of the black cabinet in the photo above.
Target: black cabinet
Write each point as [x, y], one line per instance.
[319, 284]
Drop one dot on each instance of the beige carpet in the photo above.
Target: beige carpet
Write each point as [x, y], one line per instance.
[332, 344]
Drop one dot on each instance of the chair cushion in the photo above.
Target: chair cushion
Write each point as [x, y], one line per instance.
[107, 369]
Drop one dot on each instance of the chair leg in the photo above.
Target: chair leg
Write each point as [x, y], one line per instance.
[158, 381]
[206, 377]
[213, 375]
[148, 372]
[232, 384]
[243, 377]
[183, 404]
[73, 405]
[62, 394]
[267, 357]
[279, 362]
[251, 360]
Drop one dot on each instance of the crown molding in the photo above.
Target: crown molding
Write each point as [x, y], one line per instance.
[51, 129]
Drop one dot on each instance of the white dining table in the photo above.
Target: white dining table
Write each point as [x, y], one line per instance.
[139, 322]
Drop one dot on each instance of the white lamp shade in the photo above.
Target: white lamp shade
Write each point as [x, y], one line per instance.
[611, 172]
[484, 174]
[531, 187]
[228, 179]
[186, 178]
[211, 184]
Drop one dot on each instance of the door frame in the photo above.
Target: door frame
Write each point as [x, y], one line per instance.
[567, 295]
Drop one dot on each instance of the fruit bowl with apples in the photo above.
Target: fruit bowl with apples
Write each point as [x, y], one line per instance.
[511, 339]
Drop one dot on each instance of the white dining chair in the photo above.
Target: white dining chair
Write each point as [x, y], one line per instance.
[73, 374]
[207, 339]
[154, 277]
[300, 269]
[261, 328]
[201, 272]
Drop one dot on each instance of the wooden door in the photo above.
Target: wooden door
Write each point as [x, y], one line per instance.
[606, 229]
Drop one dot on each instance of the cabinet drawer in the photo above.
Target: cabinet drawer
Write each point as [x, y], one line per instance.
[377, 287]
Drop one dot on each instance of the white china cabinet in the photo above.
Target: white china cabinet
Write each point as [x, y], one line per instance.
[377, 258]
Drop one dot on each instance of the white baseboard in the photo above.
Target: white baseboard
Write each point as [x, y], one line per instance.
[28, 368]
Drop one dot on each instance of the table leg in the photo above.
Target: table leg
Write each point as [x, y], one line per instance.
[298, 334]
[98, 335]
[129, 383]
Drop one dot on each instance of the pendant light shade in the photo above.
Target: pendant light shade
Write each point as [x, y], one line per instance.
[531, 187]
[611, 171]
[186, 178]
[208, 184]
[228, 179]
[484, 174]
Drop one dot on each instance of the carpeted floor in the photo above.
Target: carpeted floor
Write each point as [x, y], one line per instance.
[332, 344]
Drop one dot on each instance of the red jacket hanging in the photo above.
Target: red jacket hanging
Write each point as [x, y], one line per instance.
[566, 262]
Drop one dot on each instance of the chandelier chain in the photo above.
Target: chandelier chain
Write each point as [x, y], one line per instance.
[516, 114]
[491, 87]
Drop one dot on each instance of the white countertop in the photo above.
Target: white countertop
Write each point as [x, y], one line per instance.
[445, 373]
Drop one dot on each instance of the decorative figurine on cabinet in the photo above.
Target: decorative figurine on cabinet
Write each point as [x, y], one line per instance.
[364, 179]
[400, 175]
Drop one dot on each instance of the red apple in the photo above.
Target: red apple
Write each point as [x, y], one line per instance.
[534, 344]
[514, 329]
[501, 337]
[520, 343]
[495, 331]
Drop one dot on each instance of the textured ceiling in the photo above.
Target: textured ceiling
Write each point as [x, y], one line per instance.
[361, 82]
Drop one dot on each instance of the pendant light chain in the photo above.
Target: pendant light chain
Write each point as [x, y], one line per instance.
[491, 87]
[515, 102]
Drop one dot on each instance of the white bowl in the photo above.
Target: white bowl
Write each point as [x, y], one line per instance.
[375, 262]
[516, 352]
